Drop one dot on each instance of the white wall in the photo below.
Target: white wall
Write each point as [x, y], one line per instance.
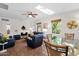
[65, 17]
[16, 24]
[30, 22]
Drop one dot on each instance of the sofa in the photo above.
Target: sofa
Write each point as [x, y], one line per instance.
[40, 33]
[36, 41]
[17, 37]
[11, 43]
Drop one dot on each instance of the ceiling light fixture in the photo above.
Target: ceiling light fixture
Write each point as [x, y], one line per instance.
[45, 10]
[30, 16]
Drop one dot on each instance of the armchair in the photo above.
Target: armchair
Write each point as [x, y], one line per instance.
[36, 41]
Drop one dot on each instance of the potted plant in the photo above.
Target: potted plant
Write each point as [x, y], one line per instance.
[4, 38]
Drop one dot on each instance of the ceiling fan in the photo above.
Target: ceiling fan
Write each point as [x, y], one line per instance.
[30, 14]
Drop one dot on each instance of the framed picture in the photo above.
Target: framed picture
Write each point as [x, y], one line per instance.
[39, 27]
[56, 26]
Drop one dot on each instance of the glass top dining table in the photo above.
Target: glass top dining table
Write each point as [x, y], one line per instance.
[71, 43]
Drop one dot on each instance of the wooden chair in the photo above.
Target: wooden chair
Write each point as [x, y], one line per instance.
[69, 36]
[56, 50]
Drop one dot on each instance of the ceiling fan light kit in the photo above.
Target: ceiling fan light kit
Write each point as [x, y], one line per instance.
[30, 14]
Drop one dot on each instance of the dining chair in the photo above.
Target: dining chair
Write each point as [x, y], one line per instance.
[56, 50]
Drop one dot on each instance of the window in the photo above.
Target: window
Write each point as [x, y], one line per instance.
[56, 26]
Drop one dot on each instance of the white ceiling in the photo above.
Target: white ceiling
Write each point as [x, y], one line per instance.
[16, 9]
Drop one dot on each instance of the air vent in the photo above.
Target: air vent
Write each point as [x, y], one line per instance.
[5, 19]
[3, 6]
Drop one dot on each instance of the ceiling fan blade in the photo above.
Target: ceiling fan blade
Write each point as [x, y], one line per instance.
[29, 14]
[34, 14]
[24, 14]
